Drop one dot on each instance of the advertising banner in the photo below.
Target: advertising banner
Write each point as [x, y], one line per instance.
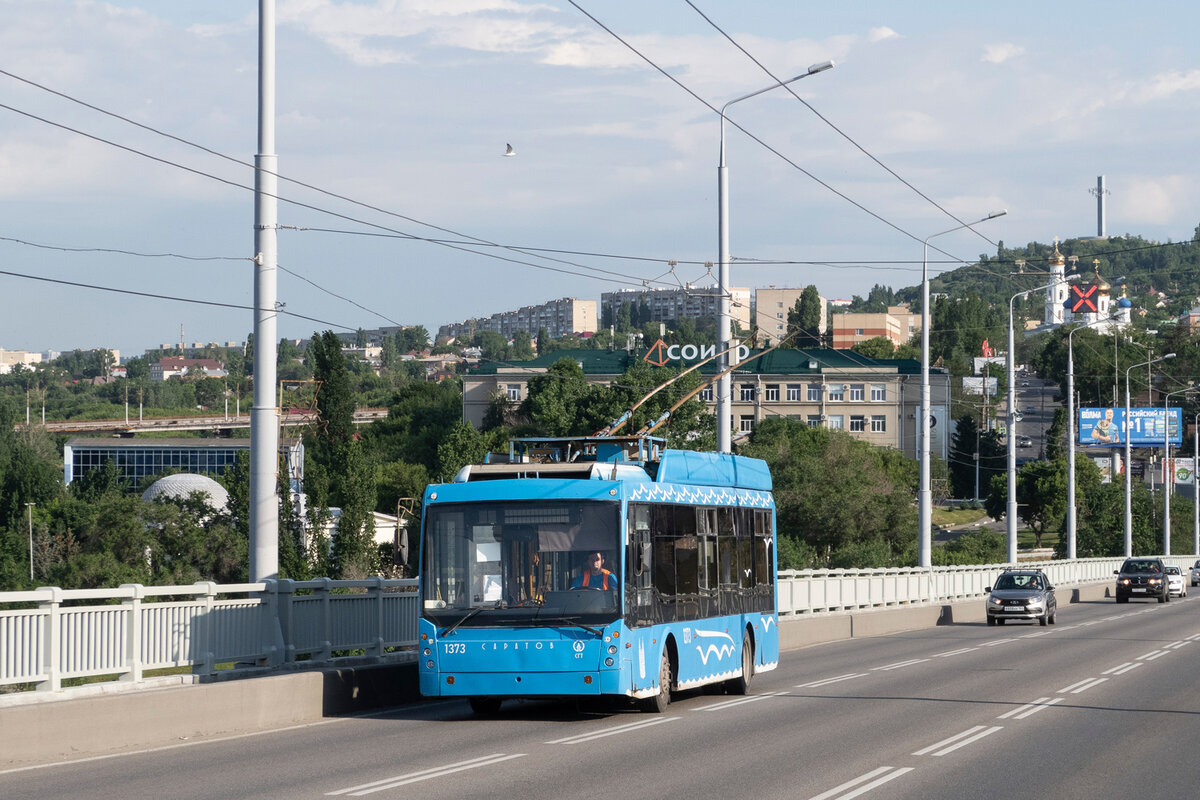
[1146, 427]
[1183, 469]
[975, 386]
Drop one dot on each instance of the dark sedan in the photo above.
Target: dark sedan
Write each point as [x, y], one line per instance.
[1021, 594]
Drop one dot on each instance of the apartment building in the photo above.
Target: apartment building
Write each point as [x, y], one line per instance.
[570, 315]
[898, 324]
[672, 305]
[771, 307]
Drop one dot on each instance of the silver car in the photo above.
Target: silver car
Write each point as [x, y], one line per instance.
[1175, 583]
[1021, 594]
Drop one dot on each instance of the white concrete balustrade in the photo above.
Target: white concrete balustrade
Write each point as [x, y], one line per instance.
[50, 634]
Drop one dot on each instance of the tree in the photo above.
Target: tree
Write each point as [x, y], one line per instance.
[879, 347]
[804, 319]
[838, 495]
[963, 450]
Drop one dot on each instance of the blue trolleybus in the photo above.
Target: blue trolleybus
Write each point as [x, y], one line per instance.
[597, 567]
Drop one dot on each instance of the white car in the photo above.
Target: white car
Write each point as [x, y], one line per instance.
[1196, 574]
[1175, 582]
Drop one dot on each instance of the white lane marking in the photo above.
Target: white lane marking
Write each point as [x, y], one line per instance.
[1038, 707]
[1035, 635]
[1025, 710]
[827, 681]
[1193, 637]
[954, 652]
[1125, 668]
[1153, 654]
[423, 775]
[632, 726]
[995, 642]
[721, 706]
[879, 781]
[900, 664]
[1082, 686]
[959, 740]
[1176, 645]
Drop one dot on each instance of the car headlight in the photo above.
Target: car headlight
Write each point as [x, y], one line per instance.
[996, 601]
[1155, 580]
[1033, 602]
[1124, 581]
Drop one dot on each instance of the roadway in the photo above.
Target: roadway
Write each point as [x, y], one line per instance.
[1103, 704]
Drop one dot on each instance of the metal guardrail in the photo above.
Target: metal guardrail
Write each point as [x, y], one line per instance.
[804, 592]
[50, 634]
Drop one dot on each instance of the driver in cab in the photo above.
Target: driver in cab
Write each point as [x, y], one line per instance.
[594, 575]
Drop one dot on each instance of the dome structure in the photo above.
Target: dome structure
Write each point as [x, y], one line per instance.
[183, 484]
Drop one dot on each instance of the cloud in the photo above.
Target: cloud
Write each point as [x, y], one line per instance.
[1167, 84]
[1151, 200]
[880, 34]
[999, 53]
[382, 32]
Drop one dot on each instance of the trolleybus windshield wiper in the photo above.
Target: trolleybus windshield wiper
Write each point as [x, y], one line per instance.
[464, 618]
[574, 623]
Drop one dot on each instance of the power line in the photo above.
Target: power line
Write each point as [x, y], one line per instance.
[840, 132]
[156, 296]
[768, 147]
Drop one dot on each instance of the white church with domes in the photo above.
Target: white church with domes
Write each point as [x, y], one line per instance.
[1095, 307]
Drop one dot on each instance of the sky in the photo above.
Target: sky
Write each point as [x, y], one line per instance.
[398, 206]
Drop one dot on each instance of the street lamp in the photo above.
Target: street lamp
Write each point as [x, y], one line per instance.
[724, 334]
[1196, 486]
[30, 507]
[924, 491]
[1128, 453]
[1011, 422]
[1168, 474]
[1071, 504]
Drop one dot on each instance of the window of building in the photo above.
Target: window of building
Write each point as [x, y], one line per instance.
[858, 423]
[814, 420]
[793, 392]
[857, 391]
[772, 393]
[836, 392]
[878, 392]
[745, 423]
[814, 393]
[513, 390]
[835, 422]
[858, 331]
[706, 394]
[878, 424]
[747, 392]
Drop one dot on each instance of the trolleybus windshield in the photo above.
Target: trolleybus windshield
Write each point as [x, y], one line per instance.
[520, 563]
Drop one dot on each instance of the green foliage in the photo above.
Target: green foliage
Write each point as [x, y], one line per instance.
[836, 493]
[876, 347]
[975, 547]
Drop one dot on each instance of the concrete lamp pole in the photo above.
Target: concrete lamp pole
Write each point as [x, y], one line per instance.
[724, 333]
[1010, 513]
[1168, 473]
[30, 507]
[1196, 486]
[1072, 438]
[924, 490]
[1128, 452]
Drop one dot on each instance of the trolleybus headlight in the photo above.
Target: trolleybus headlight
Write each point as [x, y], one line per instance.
[612, 649]
[427, 652]
[429, 663]
[608, 662]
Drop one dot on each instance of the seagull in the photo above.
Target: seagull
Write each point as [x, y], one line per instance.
[508, 151]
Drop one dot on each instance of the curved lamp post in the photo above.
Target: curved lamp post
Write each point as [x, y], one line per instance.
[724, 334]
[1011, 422]
[924, 490]
[1128, 452]
[1168, 474]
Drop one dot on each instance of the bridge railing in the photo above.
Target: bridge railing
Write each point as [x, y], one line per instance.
[51, 634]
[819, 591]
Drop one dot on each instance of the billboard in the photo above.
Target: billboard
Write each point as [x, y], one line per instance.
[1146, 427]
[975, 386]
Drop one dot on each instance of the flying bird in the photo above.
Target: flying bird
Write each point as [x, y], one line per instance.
[508, 151]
